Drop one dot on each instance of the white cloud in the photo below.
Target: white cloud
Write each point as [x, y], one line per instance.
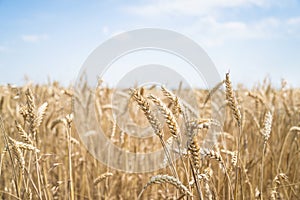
[192, 7]
[34, 38]
[214, 33]
[206, 23]
[294, 21]
[293, 26]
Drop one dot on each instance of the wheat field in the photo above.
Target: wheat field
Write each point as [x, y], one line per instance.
[255, 154]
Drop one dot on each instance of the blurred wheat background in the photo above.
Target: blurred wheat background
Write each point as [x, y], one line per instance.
[256, 155]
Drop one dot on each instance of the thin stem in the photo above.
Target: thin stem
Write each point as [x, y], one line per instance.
[11, 158]
[172, 167]
[237, 164]
[70, 162]
[262, 172]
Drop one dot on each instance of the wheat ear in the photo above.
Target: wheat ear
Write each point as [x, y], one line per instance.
[277, 181]
[168, 115]
[102, 177]
[174, 100]
[23, 133]
[31, 111]
[267, 126]
[18, 154]
[145, 107]
[40, 115]
[194, 149]
[160, 179]
[156, 126]
[231, 99]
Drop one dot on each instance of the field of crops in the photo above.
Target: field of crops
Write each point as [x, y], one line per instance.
[255, 152]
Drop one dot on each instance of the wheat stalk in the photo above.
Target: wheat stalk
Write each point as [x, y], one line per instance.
[266, 134]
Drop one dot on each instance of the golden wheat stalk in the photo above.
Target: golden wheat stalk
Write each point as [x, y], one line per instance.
[266, 134]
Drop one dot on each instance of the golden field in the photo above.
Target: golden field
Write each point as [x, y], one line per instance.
[255, 155]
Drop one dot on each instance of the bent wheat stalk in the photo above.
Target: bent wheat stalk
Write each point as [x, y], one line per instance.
[160, 179]
[145, 107]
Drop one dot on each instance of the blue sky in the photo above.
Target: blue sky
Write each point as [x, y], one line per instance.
[251, 38]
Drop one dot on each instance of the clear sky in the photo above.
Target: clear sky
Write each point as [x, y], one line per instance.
[251, 38]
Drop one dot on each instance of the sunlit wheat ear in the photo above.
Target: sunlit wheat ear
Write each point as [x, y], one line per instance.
[194, 150]
[24, 112]
[17, 153]
[174, 100]
[233, 155]
[30, 101]
[30, 110]
[145, 107]
[40, 115]
[24, 146]
[102, 177]
[160, 179]
[234, 158]
[266, 132]
[168, 115]
[231, 100]
[211, 154]
[277, 181]
[23, 133]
